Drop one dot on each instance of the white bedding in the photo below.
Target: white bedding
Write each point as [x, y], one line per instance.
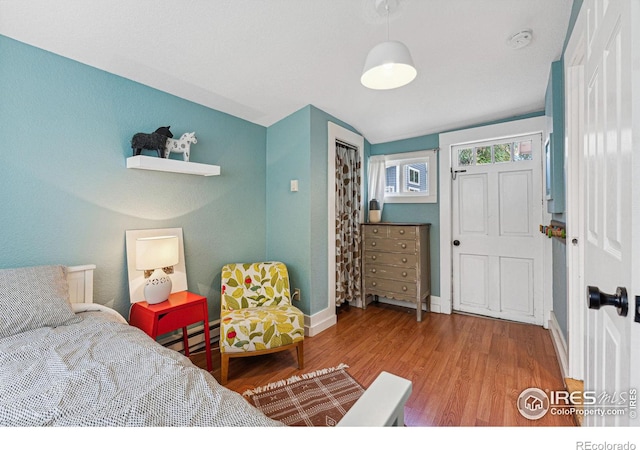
[100, 372]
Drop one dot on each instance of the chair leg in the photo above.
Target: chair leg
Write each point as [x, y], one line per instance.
[224, 368]
[300, 350]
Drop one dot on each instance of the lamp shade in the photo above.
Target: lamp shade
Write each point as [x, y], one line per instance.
[156, 252]
[388, 66]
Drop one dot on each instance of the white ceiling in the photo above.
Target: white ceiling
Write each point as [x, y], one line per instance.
[262, 60]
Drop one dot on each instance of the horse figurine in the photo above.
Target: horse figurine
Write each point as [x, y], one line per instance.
[151, 141]
[181, 145]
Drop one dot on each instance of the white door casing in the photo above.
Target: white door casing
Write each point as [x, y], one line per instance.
[574, 122]
[497, 253]
[535, 125]
[610, 207]
[336, 132]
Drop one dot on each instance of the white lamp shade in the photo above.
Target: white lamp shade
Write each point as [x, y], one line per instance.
[388, 66]
[156, 252]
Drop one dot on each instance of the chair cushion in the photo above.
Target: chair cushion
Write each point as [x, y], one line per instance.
[260, 328]
[254, 284]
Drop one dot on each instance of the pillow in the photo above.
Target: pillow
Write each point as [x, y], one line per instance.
[34, 297]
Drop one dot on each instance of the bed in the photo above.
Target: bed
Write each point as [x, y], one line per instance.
[66, 361]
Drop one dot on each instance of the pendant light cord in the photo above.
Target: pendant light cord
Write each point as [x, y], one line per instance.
[386, 7]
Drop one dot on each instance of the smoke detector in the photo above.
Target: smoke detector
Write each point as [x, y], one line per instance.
[520, 39]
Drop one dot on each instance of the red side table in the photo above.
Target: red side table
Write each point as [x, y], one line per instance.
[181, 309]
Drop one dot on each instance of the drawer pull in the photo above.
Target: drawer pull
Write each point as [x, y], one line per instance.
[401, 231]
[374, 284]
[404, 260]
[375, 230]
[404, 246]
[404, 288]
[373, 244]
[404, 274]
[373, 270]
[374, 257]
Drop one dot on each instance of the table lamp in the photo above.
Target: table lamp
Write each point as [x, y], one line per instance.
[152, 255]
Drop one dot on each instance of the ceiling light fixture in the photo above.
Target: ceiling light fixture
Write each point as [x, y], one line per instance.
[389, 64]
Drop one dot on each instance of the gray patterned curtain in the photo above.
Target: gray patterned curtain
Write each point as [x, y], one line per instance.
[348, 240]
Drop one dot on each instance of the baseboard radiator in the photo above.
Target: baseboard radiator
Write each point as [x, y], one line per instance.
[173, 340]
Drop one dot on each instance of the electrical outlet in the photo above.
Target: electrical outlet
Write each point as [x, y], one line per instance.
[296, 294]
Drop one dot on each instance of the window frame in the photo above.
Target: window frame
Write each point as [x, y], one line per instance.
[428, 157]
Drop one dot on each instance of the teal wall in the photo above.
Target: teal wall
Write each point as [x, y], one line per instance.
[575, 10]
[297, 222]
[288, 226]
[67, 198]
[416, 212]
[554, 109]
[319, 198]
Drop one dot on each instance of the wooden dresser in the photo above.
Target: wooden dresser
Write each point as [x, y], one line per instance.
[395, 262]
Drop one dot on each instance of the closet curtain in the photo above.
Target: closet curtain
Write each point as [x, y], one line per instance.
[348, 239]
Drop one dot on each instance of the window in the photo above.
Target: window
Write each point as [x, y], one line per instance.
[411, 177]
[502, 152]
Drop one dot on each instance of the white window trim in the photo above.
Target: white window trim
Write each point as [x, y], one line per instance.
[432, 176]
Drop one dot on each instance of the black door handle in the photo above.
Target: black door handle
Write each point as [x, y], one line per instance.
[456, 242]
[596, 299]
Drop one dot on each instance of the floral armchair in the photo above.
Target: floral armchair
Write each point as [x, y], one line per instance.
[256, 315]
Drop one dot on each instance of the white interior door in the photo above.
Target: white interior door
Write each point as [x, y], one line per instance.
[610, 241]
[496, 212]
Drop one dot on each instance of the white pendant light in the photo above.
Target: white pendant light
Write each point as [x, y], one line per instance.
[389, 64]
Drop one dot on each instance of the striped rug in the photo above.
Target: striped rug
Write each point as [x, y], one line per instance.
[316, 399]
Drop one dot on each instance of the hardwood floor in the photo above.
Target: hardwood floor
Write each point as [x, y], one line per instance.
[466, 370]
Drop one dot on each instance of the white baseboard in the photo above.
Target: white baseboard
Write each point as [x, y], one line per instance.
[319, 322]
[437, 307]
[560, 344]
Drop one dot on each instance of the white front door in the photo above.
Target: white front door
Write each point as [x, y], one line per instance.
[611, 249]
[496, 212]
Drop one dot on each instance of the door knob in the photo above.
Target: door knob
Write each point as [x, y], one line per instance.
[456, 242]
[596, 299]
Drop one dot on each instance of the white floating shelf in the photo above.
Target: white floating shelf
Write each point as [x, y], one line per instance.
[171, 165]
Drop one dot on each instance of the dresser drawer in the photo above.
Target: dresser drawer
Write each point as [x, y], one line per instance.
[396, 259]
[390, 245]
[376, 231]
[402, 232]
[391, 272]
[398, 288]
